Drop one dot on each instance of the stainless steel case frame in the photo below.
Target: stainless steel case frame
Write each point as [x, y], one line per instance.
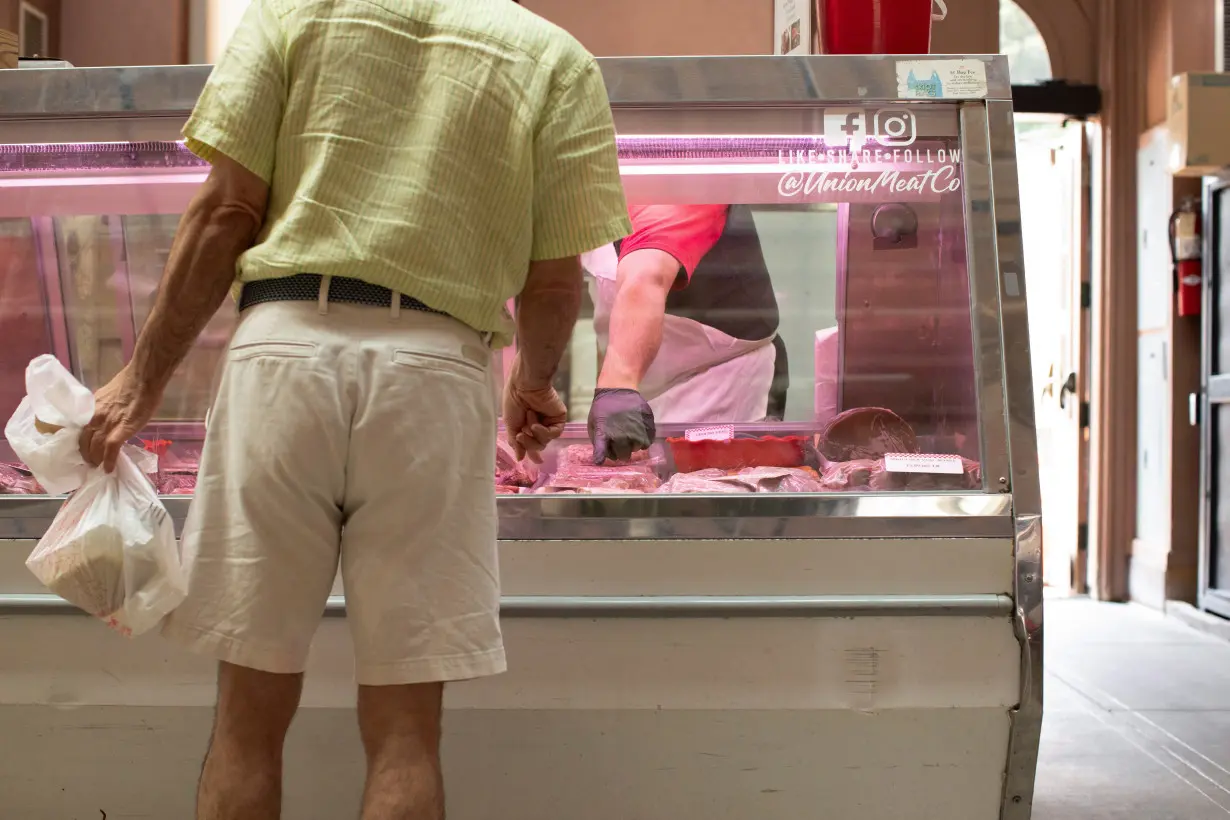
[152, 103]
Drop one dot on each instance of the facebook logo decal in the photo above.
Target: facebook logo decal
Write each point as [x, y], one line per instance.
[844, 127]
[852, 127]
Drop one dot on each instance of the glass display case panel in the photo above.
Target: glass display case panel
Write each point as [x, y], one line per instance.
[94, 223]
[25, 320]
[815, 337]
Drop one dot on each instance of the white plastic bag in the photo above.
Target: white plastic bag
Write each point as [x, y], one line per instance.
[55, 398]
[111, 550]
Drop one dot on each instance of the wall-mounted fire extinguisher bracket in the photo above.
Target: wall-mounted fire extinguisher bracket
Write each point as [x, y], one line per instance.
[1185, 253]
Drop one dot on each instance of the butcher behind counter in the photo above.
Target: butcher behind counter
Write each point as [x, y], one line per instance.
[686, 320]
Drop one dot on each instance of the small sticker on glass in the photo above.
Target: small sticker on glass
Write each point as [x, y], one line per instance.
[941, 79]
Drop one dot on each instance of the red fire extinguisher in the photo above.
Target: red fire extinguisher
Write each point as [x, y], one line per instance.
[1185, 252]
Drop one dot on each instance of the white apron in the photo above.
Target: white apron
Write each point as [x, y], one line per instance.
[827, 367]
[700, 375]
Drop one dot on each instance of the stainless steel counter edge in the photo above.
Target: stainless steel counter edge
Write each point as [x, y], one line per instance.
[153, 91]
[661, 606]
[652, 517]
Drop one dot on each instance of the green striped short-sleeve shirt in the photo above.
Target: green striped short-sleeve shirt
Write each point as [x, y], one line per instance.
[434, 147]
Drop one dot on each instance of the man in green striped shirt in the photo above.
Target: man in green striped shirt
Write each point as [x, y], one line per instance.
[387, 175]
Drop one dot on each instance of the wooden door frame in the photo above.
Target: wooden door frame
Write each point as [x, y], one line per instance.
[1123, 77]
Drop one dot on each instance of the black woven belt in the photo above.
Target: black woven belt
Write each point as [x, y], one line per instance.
[305, 287]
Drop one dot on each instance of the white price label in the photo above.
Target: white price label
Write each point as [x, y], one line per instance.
[722, 432]
[923, 463]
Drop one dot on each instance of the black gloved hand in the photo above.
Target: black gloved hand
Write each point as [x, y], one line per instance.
[620, 423]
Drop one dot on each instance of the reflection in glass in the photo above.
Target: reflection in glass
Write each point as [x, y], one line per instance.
[25, 322]
[109, 270]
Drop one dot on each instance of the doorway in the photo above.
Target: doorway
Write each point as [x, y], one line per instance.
[1054, 163]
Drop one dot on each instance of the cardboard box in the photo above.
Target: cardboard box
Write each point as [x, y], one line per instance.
[8, 49]
[1199, 124]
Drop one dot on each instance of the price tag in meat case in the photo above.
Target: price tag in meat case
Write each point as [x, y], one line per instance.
[923, 463]
[721, 432]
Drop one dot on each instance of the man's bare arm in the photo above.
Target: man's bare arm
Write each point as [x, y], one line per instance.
[222, 221]
[546, 314]
[645, 279]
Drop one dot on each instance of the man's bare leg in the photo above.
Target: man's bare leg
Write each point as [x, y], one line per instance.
[242, 778]
[400, 726]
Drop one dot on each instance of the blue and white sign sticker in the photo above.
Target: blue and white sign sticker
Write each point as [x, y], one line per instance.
[941, 79]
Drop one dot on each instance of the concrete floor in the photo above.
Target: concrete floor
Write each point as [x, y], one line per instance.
[1137, 718]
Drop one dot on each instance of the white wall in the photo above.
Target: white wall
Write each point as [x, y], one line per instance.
[800, 249]
[210, 25]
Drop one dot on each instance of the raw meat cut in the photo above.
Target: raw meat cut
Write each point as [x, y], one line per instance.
[583, 455]
[973, 473]
[747, 480]
[574, 472]
[587, 478]
[17, 480]
[781, 479]
[510, 472]
[521, 475]
[185, 461]
[178, 483]
[576, 454]
[866, 432]
[869, 474]
[884, 481]
[703, 481]
[585, 491]
[970, 478]
[850, 475]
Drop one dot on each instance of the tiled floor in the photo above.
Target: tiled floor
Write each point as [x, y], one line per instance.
[1137, 717]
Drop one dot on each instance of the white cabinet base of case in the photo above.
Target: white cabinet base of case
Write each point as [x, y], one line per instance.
[670, 718]
[921, 764]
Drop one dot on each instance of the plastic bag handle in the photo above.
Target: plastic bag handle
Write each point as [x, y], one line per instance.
[943, 11]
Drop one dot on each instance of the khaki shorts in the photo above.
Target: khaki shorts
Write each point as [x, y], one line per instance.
[362, 437]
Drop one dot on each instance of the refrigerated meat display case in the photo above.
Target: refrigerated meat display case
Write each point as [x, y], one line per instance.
[836, 612]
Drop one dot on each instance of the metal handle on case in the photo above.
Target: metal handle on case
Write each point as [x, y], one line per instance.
[663, 606]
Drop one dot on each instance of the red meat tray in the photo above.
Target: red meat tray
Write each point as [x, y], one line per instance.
[736, 454]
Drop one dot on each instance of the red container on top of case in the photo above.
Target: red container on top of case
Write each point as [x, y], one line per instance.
[878, 26]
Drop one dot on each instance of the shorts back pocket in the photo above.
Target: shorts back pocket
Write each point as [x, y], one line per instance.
[444, 364]
[272, 350]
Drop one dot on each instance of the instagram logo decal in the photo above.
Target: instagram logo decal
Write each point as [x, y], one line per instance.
[852, 127]
[894, 129]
